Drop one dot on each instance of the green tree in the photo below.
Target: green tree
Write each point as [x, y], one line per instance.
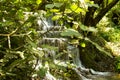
[91, 18]
[80, 17]
[89, 12]
[19, 38]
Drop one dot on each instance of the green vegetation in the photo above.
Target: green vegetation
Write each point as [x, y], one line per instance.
[93, 26]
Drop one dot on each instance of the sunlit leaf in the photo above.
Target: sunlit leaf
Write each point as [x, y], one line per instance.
[54, 10]
[92, 29]
[109, 1]
[71, 33]
[38, 1]
[87, 0]
[1, 60]
[82, 44]
[56, 17]
[78, 10]
[68, 11]
[16, 1]
[49, 6]
[75, 8]
[75, 26]
[74, 41]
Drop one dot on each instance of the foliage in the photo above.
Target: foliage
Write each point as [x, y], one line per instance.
[110, 31]
[71, 33]
[17, 40]
[19, 52]
[65, 16]
[114, 37]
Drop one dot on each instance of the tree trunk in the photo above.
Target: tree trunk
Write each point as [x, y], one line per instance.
[90, 20]
[104, 11]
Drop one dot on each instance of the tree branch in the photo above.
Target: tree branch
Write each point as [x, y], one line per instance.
[104, 11]
[90, 14]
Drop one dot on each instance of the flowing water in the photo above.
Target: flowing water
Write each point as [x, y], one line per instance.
[90, 74]
[53, 38]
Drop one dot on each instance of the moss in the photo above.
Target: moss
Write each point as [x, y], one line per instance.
[91, 57]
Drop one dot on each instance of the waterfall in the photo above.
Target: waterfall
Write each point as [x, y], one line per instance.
[53, 38]
[85, 73]
[74, 51]
[57, 41]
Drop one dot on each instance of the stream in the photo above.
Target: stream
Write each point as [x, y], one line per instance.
[84, 73]
[90, 74]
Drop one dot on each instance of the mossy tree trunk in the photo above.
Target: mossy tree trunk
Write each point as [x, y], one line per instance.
[91, 19]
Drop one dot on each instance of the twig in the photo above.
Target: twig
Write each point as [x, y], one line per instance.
[4, 34]
[16, 34]
[9, 42]
[14, 31]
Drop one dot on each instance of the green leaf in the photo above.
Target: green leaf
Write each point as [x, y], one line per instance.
[49, 6]
[78, 10]
[1, 60]
[99, 47]
[20, 14]
[38, 1]
[82, 44]
[118, 65]
[92, 29]
[16, 1]
[71, 33]
[68, 11]
[54, 10]
[74, 41]
[0, 24]
[93, 5]
[49, 47]
[75, 8]
[83, 27]
[42, 71]
[56, 17]
[58, 4]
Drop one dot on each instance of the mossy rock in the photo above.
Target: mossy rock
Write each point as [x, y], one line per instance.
[91, 57]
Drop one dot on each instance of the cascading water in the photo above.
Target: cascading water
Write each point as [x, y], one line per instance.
[84, 73]
[51, 38]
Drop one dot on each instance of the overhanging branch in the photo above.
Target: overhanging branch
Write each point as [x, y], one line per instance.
[104, 11]
[89, 18]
